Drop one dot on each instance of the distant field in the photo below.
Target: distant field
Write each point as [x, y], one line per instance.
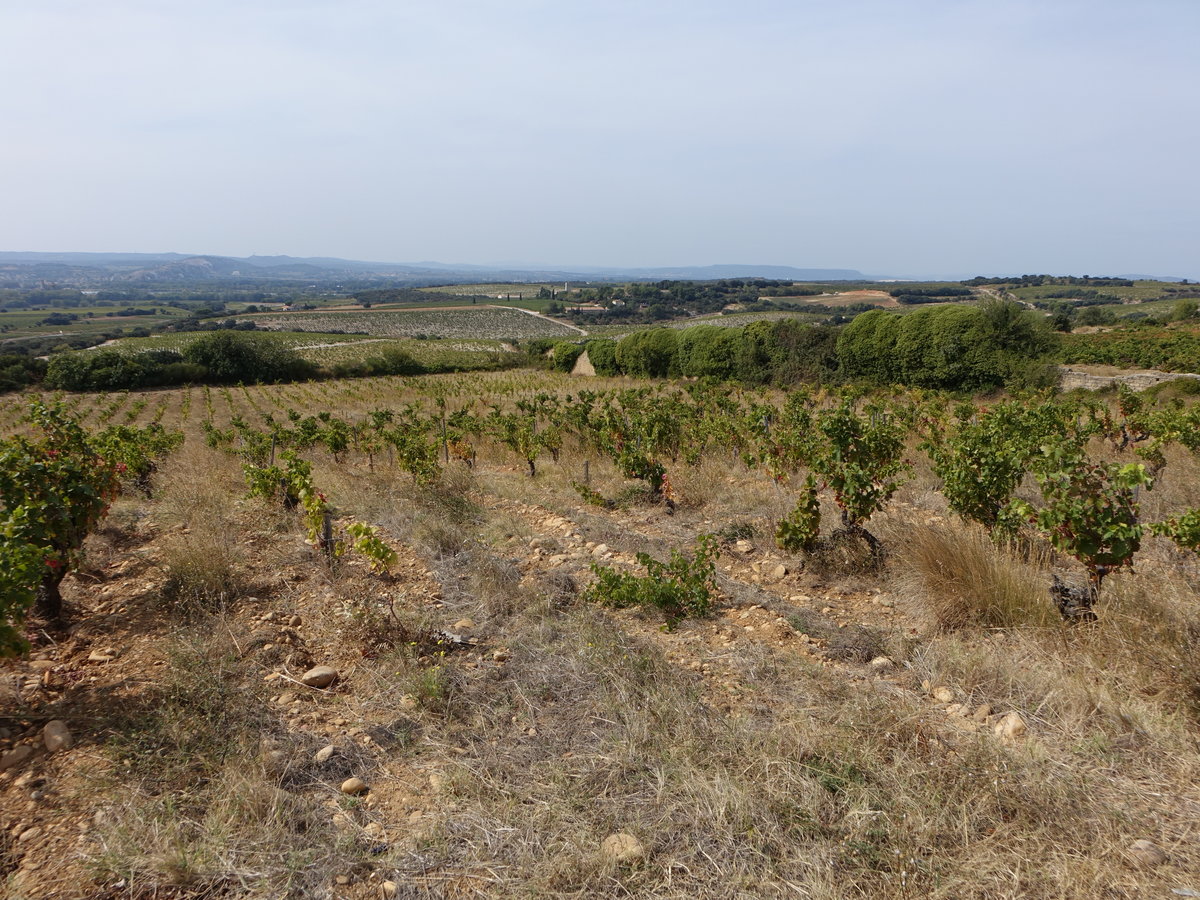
[468, 323]
[454, 301]
[738, 319]
[180, 340]
[1145, 308]
[495, 291]
[1140, 291]
[845, 298]
[24, 322]
[330, 349]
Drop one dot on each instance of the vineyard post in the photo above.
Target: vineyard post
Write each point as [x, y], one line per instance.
[272, 449]
[327, 534]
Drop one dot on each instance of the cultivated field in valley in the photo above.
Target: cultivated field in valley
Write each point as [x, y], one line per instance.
[331, 349]
[468, 323]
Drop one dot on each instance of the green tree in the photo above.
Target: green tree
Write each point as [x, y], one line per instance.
[708, 350]
[648, 354]
[603, 357]
[231, 357]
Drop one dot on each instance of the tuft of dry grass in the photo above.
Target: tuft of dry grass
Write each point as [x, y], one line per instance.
[202, 569]
[495, 583]
[1150, 629]
[964, 578]
[234, 835]
[201, 554]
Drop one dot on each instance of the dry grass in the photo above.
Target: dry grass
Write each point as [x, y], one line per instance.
[495, 583]
[964, 578]
[202, 569]
[1150, 631]
[231, 837]
[202, 554]
[827, 792]
[214, 797]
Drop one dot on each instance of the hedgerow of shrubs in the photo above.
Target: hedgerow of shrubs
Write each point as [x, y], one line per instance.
[950, 347]
[220, 357]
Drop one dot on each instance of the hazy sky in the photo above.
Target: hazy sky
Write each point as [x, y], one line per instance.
[901, 137]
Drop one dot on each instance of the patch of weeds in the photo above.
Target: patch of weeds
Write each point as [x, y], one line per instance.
[233, 835]
[441, 538]
[557, 588]
[640, 494]
[680, 588]
[844, 552]
[738, 530]
[859, 644]
[591, 496]
[371, 625]
[199, 717]
[449, 498]
[431, 688]
[869, 850]
[835, 776]
[496, 582]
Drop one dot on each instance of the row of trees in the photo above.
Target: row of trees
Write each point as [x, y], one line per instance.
[963, 348]
[1039, 280]
[221, 357]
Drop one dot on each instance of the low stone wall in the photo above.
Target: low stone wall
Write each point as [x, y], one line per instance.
[1138, 381]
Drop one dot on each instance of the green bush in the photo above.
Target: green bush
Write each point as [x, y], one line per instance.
[950, 347]
[565, 355]
[392, 361]
[222, 357]
[708, 350]
[17, 371]
[680, 588]
[603, 357]
[233, 357]
[109, 370]
[799, 530]
[648, 354]
[802, 352]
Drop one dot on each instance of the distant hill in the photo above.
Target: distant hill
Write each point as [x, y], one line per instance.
[1152, 278]
[85, 269]
[710, 273]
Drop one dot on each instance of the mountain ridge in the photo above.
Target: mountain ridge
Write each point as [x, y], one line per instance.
[176, 267]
